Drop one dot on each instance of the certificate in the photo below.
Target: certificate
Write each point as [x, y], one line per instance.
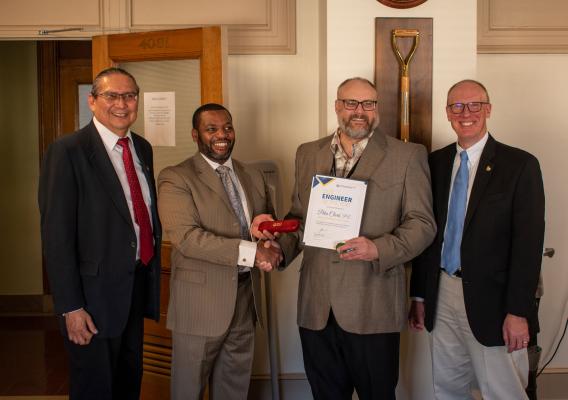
[334, 211]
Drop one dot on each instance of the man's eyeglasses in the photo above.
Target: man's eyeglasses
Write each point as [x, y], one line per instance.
[350, 104]
[473, 107]
[112, 97]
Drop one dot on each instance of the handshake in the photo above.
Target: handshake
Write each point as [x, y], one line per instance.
[266, 230]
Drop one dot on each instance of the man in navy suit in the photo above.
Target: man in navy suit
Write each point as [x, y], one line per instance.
[481, 311]
[101, 241]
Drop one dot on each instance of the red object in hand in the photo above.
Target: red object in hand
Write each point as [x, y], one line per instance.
[286, 225]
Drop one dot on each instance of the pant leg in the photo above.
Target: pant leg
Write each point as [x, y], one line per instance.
[111, 368]
[452, 368]
[324, 363]
[232, 369]
[192, 362]
[501, 375]
[90, 370]
[372, 361]
[128, 374]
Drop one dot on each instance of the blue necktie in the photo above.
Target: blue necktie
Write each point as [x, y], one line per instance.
[451, 259]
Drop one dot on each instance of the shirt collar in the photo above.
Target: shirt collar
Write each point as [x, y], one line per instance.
[214, 165]
[336, 143]
[109, 138]
[474, 152]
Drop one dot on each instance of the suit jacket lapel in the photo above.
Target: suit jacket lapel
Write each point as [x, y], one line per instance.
[371, 158]
[482, 176]
[100, 160]
[444, 189]
[324, 158]
[247, 185]
[210, 178]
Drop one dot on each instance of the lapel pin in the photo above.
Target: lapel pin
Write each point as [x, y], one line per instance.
[488, 168]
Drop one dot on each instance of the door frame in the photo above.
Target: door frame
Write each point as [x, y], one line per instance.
[207, 44]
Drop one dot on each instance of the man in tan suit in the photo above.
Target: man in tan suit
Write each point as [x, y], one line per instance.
[206, 210]
[352, 302]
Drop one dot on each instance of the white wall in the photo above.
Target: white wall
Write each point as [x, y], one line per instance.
[528, 92]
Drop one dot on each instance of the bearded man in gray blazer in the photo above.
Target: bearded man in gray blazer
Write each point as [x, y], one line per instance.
[352, 302]
[206, 203]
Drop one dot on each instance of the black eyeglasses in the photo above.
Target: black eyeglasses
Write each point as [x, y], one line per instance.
[473, 107]
[350, 104]
[112, 97]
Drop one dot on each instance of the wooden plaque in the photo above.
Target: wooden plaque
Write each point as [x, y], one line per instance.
[387, 78]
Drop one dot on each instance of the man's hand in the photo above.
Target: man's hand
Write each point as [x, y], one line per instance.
[254, 227]
[268, 255]
[359, 248]
[80, 327]
[515, 332]
[416, 316]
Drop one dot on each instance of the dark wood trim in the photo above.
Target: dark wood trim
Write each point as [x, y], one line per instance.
[48, 93]
[48, 107]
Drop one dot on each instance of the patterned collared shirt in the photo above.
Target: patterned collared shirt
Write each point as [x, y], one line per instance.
[343, 163]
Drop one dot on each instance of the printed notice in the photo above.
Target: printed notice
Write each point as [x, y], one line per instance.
[160, 118]
[334, 211]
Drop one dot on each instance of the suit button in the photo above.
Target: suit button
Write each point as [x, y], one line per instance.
[133, 245]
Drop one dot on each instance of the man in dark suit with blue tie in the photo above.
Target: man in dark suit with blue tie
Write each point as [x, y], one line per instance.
[474, 287]
[101, 241]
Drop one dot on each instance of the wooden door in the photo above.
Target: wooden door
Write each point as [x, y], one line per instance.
[205, 44]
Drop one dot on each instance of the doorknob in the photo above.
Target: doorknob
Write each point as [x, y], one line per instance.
[548, 252]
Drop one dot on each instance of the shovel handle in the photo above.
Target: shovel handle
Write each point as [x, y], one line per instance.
[405, 32]
[404, 108]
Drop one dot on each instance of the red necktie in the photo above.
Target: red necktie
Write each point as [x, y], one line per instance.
[140, 211]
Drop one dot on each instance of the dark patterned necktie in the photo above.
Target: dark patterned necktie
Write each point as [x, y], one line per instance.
[141, 216]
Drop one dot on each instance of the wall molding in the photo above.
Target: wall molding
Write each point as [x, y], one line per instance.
[275, 35]
[505, 26]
